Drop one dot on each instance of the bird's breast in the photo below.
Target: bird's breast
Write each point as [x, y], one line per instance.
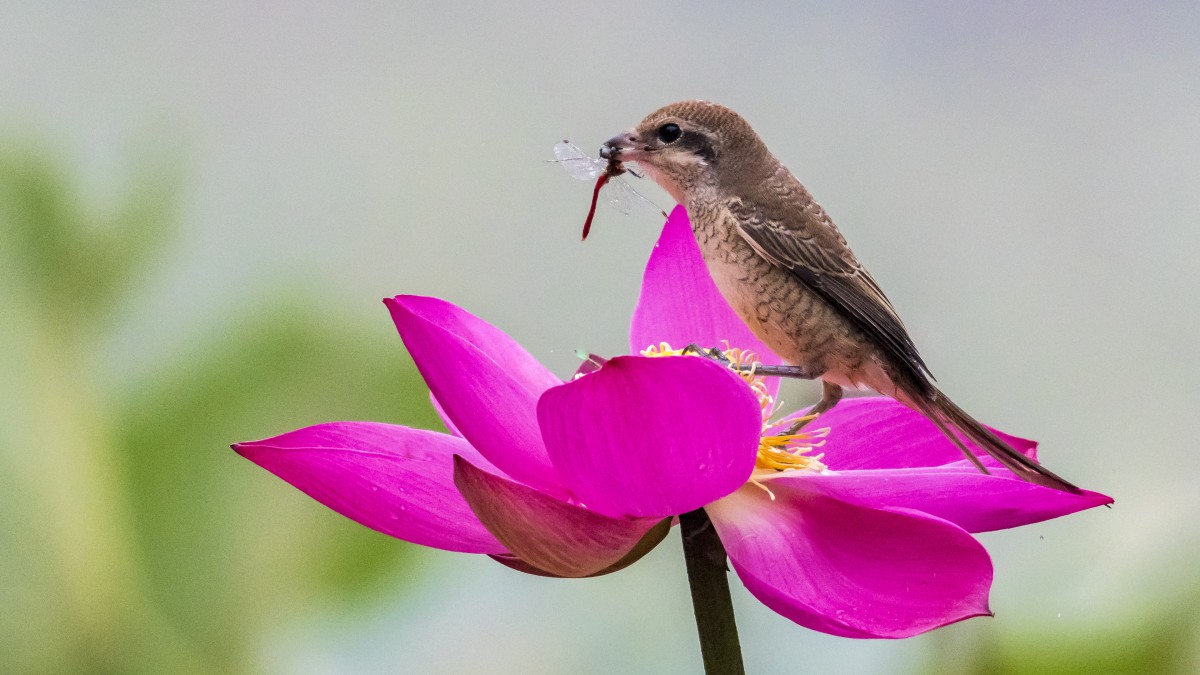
[788, 316]
[745, 279]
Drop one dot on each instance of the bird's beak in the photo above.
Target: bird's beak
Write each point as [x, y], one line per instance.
[618, 147]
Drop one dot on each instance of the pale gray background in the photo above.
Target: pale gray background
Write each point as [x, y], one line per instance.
[1021, 179]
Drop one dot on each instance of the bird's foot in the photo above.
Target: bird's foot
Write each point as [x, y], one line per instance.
[713, 354]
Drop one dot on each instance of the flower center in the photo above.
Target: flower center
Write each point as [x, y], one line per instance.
[777, 449]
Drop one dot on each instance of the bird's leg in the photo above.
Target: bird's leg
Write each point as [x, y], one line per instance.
[796, 372]
[830, 395]
[715, 354]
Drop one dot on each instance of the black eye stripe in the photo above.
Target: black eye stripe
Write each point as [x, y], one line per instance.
[669, 133]
[699, 144]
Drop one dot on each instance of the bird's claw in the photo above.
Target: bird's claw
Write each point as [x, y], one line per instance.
[713, 354]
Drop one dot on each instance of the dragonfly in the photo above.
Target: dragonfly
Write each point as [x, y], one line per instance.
[582, 166]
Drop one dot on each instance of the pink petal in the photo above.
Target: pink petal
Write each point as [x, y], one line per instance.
[958, 493]
[486, 383]
[879, 433]
[551, 535]
[437, 407]
[652, 436]
[393, 479]
[513, 562]
[680, 304]
[647, 543]
[847, 570]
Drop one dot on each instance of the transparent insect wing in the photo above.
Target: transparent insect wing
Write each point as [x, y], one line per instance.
[621, 196]
[618, 193]
[641, 201]
[578, 164]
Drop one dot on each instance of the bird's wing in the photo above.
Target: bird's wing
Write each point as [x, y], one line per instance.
[796, 234]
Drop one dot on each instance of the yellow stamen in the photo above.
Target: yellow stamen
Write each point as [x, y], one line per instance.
[661, 349]
[760, 485]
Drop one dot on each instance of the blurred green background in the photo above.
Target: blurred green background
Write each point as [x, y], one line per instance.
[201, 206]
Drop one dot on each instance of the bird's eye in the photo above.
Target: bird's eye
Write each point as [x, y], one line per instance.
[669, 133]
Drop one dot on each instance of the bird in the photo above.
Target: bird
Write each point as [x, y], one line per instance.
[785, 268]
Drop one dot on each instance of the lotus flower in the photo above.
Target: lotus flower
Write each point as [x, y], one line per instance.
[579, 478]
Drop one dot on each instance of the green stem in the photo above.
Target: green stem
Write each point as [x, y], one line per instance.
[708, 578]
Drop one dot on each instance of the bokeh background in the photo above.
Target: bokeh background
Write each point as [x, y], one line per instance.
[202, 204]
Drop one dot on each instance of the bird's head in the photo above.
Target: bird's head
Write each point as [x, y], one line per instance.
[694, 149]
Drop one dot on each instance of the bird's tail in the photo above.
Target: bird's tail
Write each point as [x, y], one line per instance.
[950, 419]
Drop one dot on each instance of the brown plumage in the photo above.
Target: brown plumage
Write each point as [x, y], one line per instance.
[785, 268]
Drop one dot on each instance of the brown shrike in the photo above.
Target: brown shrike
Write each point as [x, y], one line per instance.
[782, 264]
